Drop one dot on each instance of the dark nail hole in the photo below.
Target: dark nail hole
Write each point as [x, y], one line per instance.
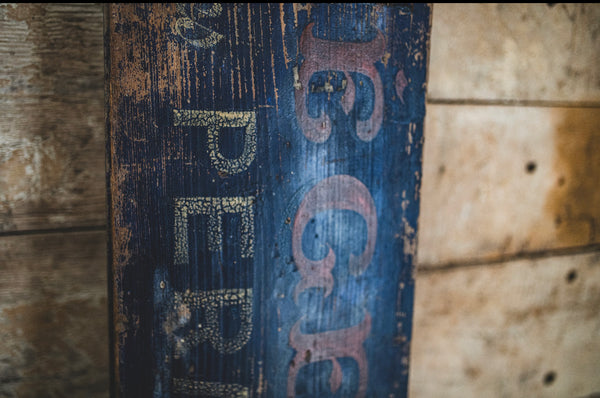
[307, 356]
[557, 220]
[549, 378]
[571, 276]
[561, 181]
[442, 169]
[530, 167]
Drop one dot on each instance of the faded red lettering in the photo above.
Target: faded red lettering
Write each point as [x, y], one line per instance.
[328, 346]
[339, 192]
[323, 55]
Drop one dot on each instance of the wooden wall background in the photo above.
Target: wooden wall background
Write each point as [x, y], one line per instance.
[508, 285]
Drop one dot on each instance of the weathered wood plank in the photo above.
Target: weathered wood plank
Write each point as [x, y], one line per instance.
[504, 180]
[53, 315]
[526, 328]
[52, 125]
[535, 52]
[265, 162]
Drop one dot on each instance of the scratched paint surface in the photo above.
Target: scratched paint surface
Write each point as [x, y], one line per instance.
[264, 174]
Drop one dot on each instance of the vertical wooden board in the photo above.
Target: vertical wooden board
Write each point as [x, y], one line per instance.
[527, 328]
[52, 128]
[264, 171]
[505, 180]
[511, 51]
[53, 315]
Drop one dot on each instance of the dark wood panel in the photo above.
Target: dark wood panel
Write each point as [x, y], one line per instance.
[53, 315]
[52, 125]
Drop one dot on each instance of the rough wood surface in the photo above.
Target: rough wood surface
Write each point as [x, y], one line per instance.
[52, 124]
[533, 52]
[277, 261]
[507, 180]
[517, 329]
[53, 315]
[480, 331]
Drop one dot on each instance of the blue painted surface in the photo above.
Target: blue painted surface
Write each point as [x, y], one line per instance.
[252, 69]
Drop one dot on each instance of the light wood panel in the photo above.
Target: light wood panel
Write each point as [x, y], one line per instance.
[506, 51]
[504, 180]
[525, 328]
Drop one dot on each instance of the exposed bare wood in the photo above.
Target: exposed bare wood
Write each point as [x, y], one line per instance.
[53, 315]
[501, 181]
[503, 51]
[52, 125]
[518, 329]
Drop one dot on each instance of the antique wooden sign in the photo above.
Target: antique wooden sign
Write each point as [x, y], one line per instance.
[264, 165]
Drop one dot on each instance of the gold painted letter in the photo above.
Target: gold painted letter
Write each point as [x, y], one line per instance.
[214, 208]
[215, 121]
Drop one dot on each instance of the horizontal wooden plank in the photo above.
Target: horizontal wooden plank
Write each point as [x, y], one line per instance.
[526, 328]
[504, 180]
[65, 265]
[52, 126]
[53, 315]
[535, 52]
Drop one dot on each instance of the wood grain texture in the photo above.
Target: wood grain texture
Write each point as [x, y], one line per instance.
[53, 315]
[52, 126]
[480, 331]
[265, 164]
[501, 181]
[518, 52]
[525, 328]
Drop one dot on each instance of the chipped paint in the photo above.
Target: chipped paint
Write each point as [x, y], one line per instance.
[214, 208]
[276, 212]
[216, 121]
